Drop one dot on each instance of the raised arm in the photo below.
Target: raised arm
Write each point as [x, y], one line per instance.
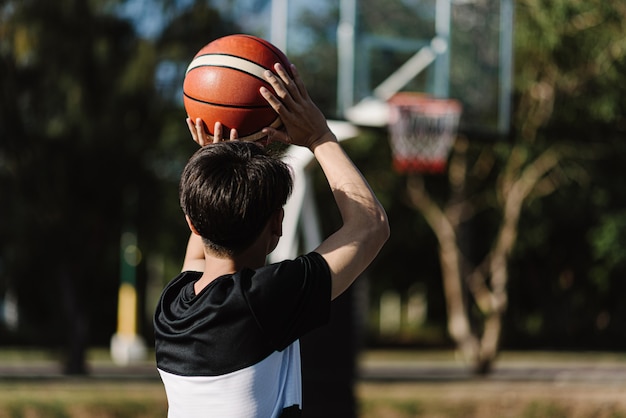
[365, 229]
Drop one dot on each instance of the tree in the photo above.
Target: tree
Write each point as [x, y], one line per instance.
[580, 48]
[78, 109]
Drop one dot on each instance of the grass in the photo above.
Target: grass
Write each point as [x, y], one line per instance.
[93, 399]
[489, 400]
[82, 398]
[386, 400]
[57, 396]
[97, 397]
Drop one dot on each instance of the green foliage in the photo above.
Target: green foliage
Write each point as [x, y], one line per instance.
[608, 246]
[571, 55]
[317, 61]
[190, 30]
[395, 19]
[63, 134]
[90, 147]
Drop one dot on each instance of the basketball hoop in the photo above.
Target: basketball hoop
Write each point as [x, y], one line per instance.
[422, 130]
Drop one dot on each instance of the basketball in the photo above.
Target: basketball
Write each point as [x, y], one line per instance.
[222, 84]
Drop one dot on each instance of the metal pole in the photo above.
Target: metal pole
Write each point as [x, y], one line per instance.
[506, 64]
[346, 31]
[443, 10]
[280, 24]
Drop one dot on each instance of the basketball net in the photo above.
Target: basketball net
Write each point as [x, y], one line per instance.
[422, 130]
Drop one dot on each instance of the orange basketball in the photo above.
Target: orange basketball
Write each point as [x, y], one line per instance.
[222, 84]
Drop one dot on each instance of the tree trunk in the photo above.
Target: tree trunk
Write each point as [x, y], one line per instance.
[76, 328]
[487, 282]
[489, 344]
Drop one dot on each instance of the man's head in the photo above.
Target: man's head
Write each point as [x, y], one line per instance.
[229, 190]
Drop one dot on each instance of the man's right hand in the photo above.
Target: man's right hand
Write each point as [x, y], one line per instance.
[304, 122]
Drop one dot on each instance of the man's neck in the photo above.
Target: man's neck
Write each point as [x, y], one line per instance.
[252, 257]
[215, 267]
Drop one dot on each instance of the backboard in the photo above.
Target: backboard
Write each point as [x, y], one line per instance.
[459, 49]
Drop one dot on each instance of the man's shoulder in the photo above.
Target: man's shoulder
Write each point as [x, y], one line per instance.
[180, 282]
[287, 276]
[310, 262]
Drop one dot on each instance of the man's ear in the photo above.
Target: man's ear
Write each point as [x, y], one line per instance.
[193, 228]
[277, 222]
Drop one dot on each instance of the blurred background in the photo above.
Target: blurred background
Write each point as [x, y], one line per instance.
[92, 142]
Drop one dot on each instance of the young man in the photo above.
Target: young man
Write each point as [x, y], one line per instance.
[227, 327]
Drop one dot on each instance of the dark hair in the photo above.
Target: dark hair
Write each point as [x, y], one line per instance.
[229, 190]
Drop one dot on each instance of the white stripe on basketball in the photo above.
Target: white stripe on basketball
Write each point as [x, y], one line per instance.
[228, 61]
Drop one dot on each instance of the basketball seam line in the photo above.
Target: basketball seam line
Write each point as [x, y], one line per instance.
[228, 105]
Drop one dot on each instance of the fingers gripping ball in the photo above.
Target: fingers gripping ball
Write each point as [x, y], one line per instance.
[222, 85]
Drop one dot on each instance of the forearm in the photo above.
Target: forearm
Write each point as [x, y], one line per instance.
[365, 227]
[354, 197]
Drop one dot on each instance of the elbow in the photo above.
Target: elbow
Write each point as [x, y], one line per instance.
[369, 232]
[381, 229]
[385, 230]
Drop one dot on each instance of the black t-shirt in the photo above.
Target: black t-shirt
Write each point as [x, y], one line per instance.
[240, 319]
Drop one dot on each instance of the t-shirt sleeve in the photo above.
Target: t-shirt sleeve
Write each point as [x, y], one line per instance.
[290, 298]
